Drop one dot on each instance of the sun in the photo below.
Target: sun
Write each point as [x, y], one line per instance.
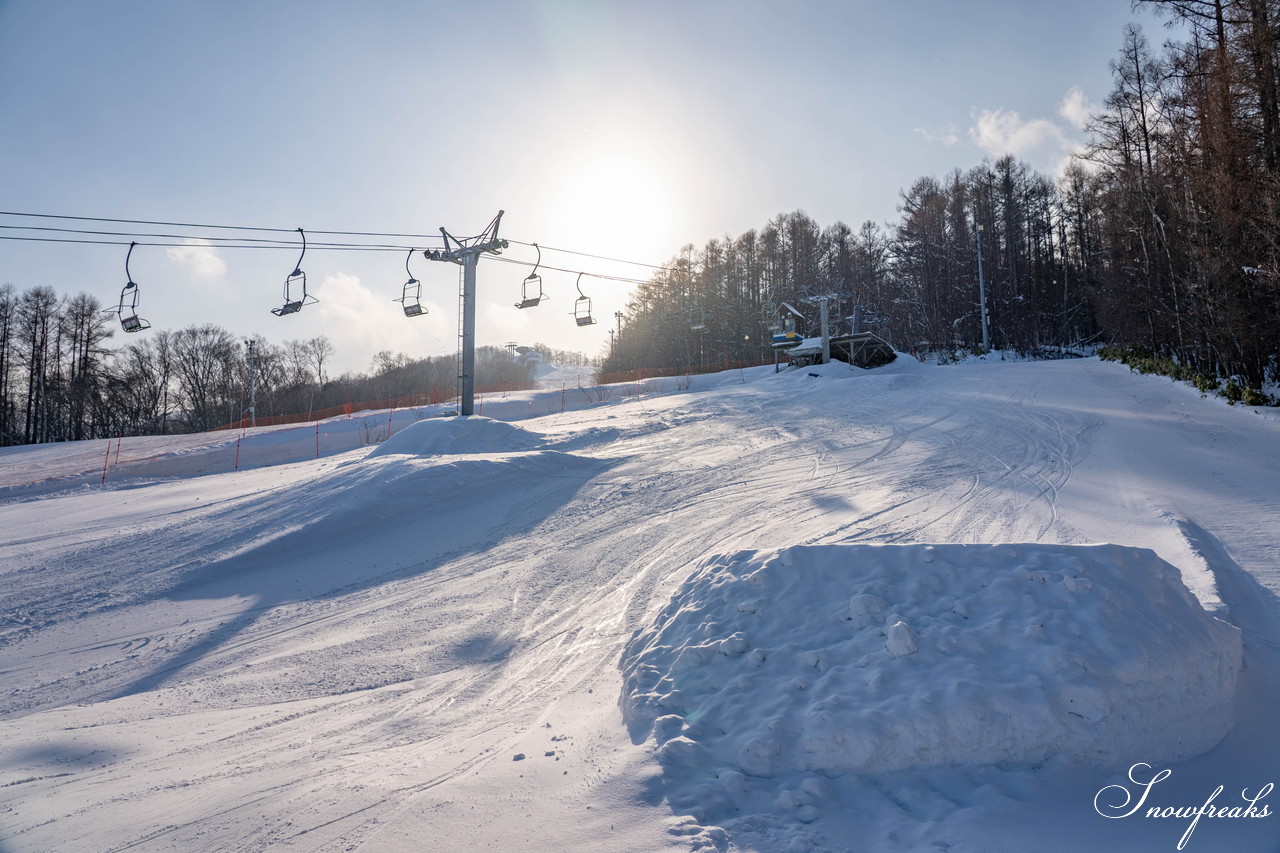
[618, 191]
[621, 190]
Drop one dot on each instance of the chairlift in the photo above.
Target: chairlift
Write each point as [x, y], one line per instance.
[127, 310]
[697, 319]
[531, 288]
[582, 306]
[296, 285]
[411, 298]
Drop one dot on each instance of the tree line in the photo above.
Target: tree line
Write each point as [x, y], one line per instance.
[60, 380]
[1162, 237]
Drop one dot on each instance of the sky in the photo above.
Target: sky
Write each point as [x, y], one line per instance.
[621, 130]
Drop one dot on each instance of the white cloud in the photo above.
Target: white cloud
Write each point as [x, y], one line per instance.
[1048, 144]
[498, 319]
[948, 136]
[1000, 132]
[358, 320]
[198, 256]
[1076, 108]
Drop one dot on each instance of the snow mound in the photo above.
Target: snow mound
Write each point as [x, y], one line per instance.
[877, 658]
[474, 434]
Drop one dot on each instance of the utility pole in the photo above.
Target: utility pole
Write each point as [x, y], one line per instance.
[617, 315]
[253, 380]
[467, 252]
[823, 303]
[982, 295]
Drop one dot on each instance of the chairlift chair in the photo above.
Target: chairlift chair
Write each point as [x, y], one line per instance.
[582, 306]
[697, 319]
[411, 297]
[531, 288]
[295, 284]
[127, 309]
[133, 323]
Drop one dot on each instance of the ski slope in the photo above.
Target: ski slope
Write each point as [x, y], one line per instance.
[430, 633]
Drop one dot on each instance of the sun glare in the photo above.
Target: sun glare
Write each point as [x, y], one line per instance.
[622, 193]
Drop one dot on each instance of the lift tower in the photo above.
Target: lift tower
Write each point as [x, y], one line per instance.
[467, 252]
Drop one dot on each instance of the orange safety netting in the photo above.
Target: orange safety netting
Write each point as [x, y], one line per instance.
[435, 397]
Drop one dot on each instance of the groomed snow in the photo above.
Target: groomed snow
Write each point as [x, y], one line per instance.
[280, 639]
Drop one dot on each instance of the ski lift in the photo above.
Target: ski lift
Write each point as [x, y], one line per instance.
[531, 288]
[127, 310]
[582, 306]
[296, 284]
[411, 298]
[697, 319]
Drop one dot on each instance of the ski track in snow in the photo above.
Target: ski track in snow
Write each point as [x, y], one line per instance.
[347, 652]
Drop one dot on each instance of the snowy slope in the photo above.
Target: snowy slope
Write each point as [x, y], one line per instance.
[418, 647]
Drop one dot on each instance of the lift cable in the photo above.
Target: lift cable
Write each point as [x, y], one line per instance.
[569, 271]
[216, 227]
[271, 242]
[336, 247]
[597, 257]
[118, 221]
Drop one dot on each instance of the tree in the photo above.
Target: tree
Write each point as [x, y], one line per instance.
[8, 368]
[37, 324]
[319, 350]
[206, 364]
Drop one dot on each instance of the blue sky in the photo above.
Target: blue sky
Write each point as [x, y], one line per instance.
[623, 129]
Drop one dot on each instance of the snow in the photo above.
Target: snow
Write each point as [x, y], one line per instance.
[917, 607]
[837, 659]
[553, 377]
[476, 434]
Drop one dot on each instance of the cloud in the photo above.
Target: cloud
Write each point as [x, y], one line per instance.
[1000, 132]
[1048, 144]
[198, 256]
[1077, 108]
[948, 136]
[498, 319]
[358, 320]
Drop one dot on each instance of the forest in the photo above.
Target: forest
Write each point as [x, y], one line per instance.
[60, 382]
[1159, 243]
[1159, 240]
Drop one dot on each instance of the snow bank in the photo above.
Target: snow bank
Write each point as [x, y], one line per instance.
[473, 434]
[872, 658]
